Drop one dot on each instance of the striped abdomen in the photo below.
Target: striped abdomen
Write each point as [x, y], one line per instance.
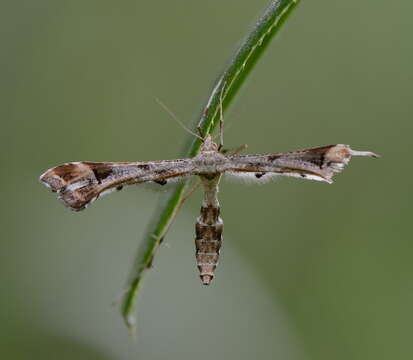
[208, 241]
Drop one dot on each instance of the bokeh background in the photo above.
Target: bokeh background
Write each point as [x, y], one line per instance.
[308, 270]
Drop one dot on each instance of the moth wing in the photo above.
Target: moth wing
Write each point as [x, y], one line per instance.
[318, 164]
[80, 183]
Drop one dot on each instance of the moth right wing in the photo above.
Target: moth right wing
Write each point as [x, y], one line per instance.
[314, 164]
[80, 183]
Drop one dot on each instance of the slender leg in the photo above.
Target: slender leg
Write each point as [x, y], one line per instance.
[239, 149]
[199, 129]
[235, 151]
[221, 119]
[189, 193]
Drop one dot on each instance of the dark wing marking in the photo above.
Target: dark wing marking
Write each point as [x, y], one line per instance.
[80, 183]
[315, 164]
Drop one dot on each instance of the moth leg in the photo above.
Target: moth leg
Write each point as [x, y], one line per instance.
[199, 129]
[235, 151]
[181, 203]
[118, 298]
[221, 119]
[189, 193]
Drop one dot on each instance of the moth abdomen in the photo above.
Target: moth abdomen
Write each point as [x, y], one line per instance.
[208, 241]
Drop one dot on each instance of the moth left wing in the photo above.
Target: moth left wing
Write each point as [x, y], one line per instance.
[80, 183]
[314, 164]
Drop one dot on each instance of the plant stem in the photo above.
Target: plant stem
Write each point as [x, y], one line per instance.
[223, 92]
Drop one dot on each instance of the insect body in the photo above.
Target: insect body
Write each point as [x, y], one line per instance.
[80, 183]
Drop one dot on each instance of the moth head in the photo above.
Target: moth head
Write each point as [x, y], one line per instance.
[209, 144]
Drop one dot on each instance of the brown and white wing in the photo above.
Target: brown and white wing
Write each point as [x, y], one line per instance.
[80, 183]
[314, 164]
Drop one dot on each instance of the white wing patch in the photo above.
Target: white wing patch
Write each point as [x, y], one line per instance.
[251, 177]
[266, 177]
[307, 177]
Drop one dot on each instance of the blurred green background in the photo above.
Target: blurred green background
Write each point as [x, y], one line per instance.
[308, 270]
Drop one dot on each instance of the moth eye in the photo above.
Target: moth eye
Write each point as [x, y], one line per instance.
[303, 176]
[119, 188]
[259, 175]
[161, 182]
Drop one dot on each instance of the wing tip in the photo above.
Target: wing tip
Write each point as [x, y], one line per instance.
[74, 184]
[364, 153]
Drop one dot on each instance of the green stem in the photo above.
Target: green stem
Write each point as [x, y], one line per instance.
[223, 92]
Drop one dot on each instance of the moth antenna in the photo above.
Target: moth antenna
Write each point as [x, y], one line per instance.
[169, 111]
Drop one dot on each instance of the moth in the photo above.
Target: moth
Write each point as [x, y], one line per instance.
[78, 184]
